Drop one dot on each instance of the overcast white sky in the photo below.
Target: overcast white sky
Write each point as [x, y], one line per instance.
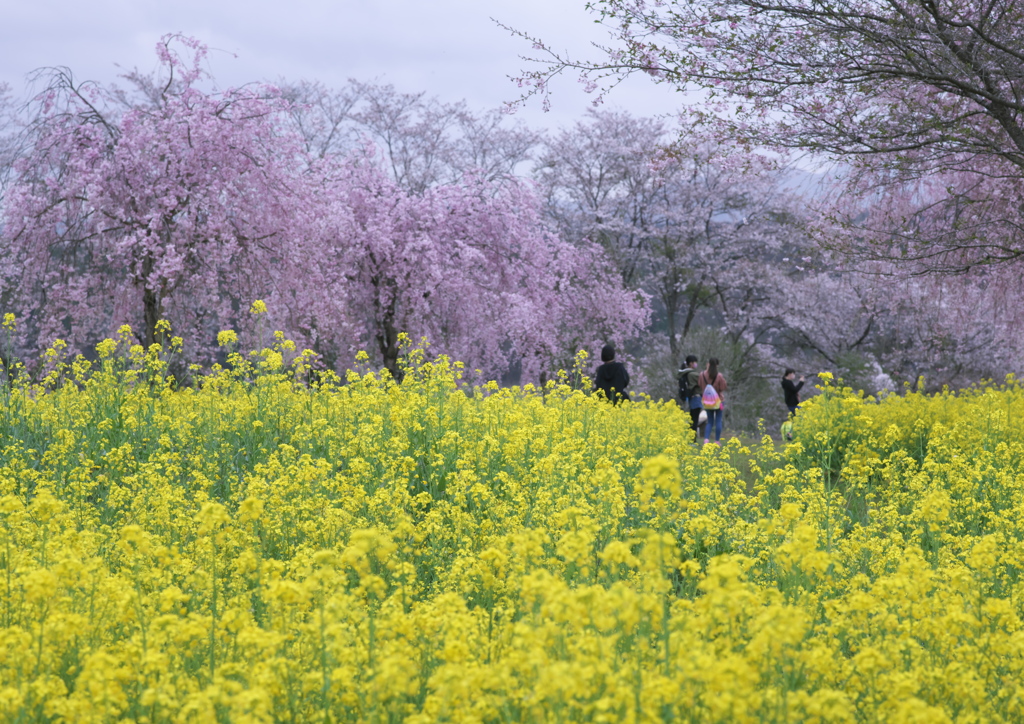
[448, 48]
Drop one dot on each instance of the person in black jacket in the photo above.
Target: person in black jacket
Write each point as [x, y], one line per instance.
[612, 376]
[791, 390]
[689, 393]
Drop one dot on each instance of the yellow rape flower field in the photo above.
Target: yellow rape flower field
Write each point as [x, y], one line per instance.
[257, 547]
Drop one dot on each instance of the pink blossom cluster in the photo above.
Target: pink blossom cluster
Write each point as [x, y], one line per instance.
[180, 203]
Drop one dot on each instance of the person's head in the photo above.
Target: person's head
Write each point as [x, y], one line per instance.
[789, 374]
[608, 353]
[712, 368]
[691, 360]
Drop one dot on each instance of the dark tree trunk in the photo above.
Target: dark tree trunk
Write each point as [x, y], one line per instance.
[152, 309]
[387, 342]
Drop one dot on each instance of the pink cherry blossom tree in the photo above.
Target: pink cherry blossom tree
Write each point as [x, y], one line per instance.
[468, 265]
[422, 141]
[912, 107]
[170, 200]
[696, 224]
[165, 201]
[952, 330]
[919, 99]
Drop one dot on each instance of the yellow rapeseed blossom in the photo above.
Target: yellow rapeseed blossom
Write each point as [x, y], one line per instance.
[269, 545]
[227, 338]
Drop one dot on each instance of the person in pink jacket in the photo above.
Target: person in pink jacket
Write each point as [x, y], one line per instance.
[713, 386]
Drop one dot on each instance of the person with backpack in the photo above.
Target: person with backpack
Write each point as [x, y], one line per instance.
[713, 386]
[689, 393]
[611, 376]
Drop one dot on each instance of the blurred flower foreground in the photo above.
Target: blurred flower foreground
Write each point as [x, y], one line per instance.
[269, 544]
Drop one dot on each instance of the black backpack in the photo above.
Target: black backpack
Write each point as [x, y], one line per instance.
[688, 384]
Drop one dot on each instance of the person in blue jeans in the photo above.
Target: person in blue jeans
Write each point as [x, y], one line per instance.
[689, 394]
[711, 376]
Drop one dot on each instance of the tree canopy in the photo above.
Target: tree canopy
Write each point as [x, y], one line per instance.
[921, 100]
[169, 200]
